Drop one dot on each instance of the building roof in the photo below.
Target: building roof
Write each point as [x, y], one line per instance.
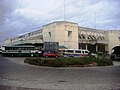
[62, 47]
[60, 22]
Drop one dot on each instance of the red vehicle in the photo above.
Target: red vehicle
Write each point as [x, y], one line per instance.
[50, 54]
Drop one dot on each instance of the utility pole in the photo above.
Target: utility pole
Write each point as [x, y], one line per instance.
[94, 18]
[64, 10]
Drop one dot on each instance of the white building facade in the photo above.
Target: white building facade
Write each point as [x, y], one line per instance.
[71, 36]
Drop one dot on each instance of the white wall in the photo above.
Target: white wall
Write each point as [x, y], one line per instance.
[59, 33]
[113, 39]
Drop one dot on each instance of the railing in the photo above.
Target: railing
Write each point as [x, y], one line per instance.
[31, 39]
[93, 41]
[27, 41]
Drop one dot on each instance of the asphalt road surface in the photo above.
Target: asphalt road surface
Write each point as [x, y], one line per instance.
[20, 76]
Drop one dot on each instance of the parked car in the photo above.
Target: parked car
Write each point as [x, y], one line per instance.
[115, 55]
[50, 54]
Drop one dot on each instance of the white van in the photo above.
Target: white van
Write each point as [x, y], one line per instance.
[75, 53]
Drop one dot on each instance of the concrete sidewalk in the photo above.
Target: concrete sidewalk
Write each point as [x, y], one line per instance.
[19, 60]
[116, 63]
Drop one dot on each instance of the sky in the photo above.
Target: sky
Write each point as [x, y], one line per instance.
[18, 17]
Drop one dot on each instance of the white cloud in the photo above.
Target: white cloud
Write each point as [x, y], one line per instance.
[24, 16]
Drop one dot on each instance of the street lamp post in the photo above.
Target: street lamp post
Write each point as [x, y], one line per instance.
[64, 10]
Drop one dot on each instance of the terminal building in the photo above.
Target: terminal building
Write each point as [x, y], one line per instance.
[69, 35]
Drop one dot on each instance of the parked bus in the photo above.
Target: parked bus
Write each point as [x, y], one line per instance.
[20, 50]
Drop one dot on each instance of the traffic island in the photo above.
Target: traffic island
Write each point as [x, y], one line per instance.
[69, 62]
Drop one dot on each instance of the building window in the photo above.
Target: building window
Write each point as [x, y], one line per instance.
[83, 36]
[91, 37]
[119, 38]
[50, 34]
[100, 37]
[103, 38]
[69, 33]
[80, 37]
[94, 37]
[88, 37]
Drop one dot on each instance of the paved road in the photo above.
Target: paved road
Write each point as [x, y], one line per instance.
[19, 76]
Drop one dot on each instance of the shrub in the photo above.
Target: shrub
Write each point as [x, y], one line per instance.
[103, 61]
[33, 61]
[57, 63]
[63, 62]
[78, 61]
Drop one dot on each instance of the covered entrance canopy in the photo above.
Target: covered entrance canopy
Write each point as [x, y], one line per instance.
[93, 42]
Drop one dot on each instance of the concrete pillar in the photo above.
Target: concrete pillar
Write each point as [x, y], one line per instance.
[86, 46]
[96, 47]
